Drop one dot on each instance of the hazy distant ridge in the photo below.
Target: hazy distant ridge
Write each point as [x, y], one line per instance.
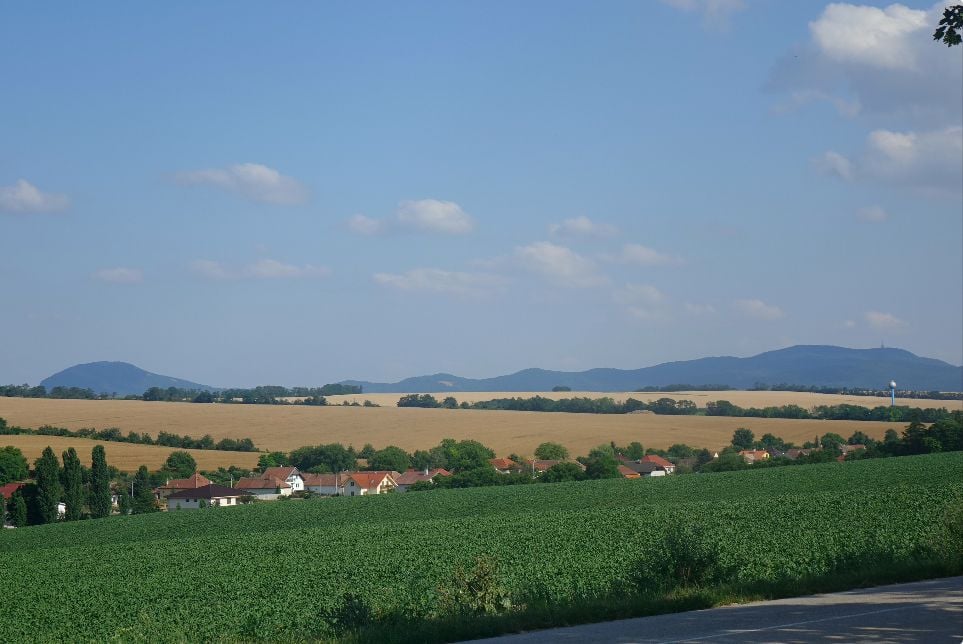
[799, 365]
[121, 378]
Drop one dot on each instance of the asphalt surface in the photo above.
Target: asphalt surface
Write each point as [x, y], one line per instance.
[926, 611]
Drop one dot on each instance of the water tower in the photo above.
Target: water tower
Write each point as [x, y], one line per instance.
[892, 393]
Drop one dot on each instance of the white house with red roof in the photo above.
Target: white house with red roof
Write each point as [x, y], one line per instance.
[366, 483]
[289, 475]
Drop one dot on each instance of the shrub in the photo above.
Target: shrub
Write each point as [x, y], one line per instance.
[475, 591]
[685, 556]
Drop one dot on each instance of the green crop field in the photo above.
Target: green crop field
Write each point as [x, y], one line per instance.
[269, 571]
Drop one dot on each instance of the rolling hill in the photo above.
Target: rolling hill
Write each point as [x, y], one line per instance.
[121, 378]
[815, 365]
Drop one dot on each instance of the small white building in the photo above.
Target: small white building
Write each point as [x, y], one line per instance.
[207, 496]
[289, 475]
[263, 489]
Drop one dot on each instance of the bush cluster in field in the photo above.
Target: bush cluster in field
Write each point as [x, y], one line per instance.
[558, 543]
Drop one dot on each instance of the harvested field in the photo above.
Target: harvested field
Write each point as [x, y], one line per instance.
[285, 427]
[700, 398]
[125, 456]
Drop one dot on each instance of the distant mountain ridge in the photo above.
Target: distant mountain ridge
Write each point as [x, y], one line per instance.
[815, 365]
[121, 378]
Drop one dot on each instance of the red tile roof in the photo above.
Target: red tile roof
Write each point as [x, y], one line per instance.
[655, 459]
[628, 472]
[412, 476]
[368, 480]
[194, 481]
[206, 492]
[279, 472]
[325, 480]
[6, 491]
[261, 484]
[504, 464]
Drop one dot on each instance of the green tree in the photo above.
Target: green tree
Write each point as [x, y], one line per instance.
[561, 472]
[634, 450]
[950, 26]
[367, 451]
[743, 438]
[831, 441]
[449, 403]
[551, 452]
[124, 504]
[49, 490]
[390, 458]
[180, 465]
[272, 459]
[73, 481]
[17, 507]
[468, 455]
[143, 501]
[99, 501]
[601, 463]
[13, 466]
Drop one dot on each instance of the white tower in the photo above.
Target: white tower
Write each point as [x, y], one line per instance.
[892, 393]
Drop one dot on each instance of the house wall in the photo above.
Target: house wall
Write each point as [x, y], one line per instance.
[194, 504]
[326, 490]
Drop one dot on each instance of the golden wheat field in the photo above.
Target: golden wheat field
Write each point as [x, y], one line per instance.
[700, 398]
[285, 427]
[125, 456]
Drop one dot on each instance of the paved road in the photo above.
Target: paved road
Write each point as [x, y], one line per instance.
[927, 611]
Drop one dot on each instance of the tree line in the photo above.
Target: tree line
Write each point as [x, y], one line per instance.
[672, 407]
[262, 395]
[113, 434]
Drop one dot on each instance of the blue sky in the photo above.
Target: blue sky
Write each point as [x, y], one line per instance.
[251, 193]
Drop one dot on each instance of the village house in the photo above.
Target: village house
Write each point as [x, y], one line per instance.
[264, 489]
[645, 469]
[504, 465]
[290, 475]
[628, 472]
[754, 455]
[665, 465]
[176, 485]
[366, 483]
[211, 495]
[410, 477]
[326, 484]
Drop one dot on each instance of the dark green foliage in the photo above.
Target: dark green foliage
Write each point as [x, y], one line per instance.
[17, 508]
[99, 500]
[601, 463]
[13, 465]
[551, 452]
[389, 459]
[727, 462]
[951, 24]
[743, 438]
[73, 485]
[449, 403]
[49, 489]
[115, 435]
[179, 465]
[416, 400]
[558, 388]
[333, 457]
[272, 459]
[125, 504]
[561, 472]
[475, 591]
[143, 499]
[686, 555]
[351, 613]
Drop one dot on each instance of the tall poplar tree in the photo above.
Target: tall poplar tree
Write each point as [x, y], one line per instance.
[18, 510]
[143, 500]
[49, 490]
[73, 481]
[99, 484]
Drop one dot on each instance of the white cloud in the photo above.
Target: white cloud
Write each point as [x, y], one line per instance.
[869, 36]
[699, 309]
[365, 225]
[930, 160]
[715, 13]
[252, 181]
[759, 309]
[423, 215]
[261, 269]
[871, 61]
[872, 215]
[836, 164]
[120, 275]
[884, 321]
[644, 256]
[849, 324]
[582, 226]
[642, 301]
[23, 196]
[434, 280]
[558, 263]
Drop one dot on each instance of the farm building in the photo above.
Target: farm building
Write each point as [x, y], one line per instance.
[667, 466]
[410, 477]
[290, 475]
[206, 496]
[176, 485]
[264, 489]
[326, 484]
